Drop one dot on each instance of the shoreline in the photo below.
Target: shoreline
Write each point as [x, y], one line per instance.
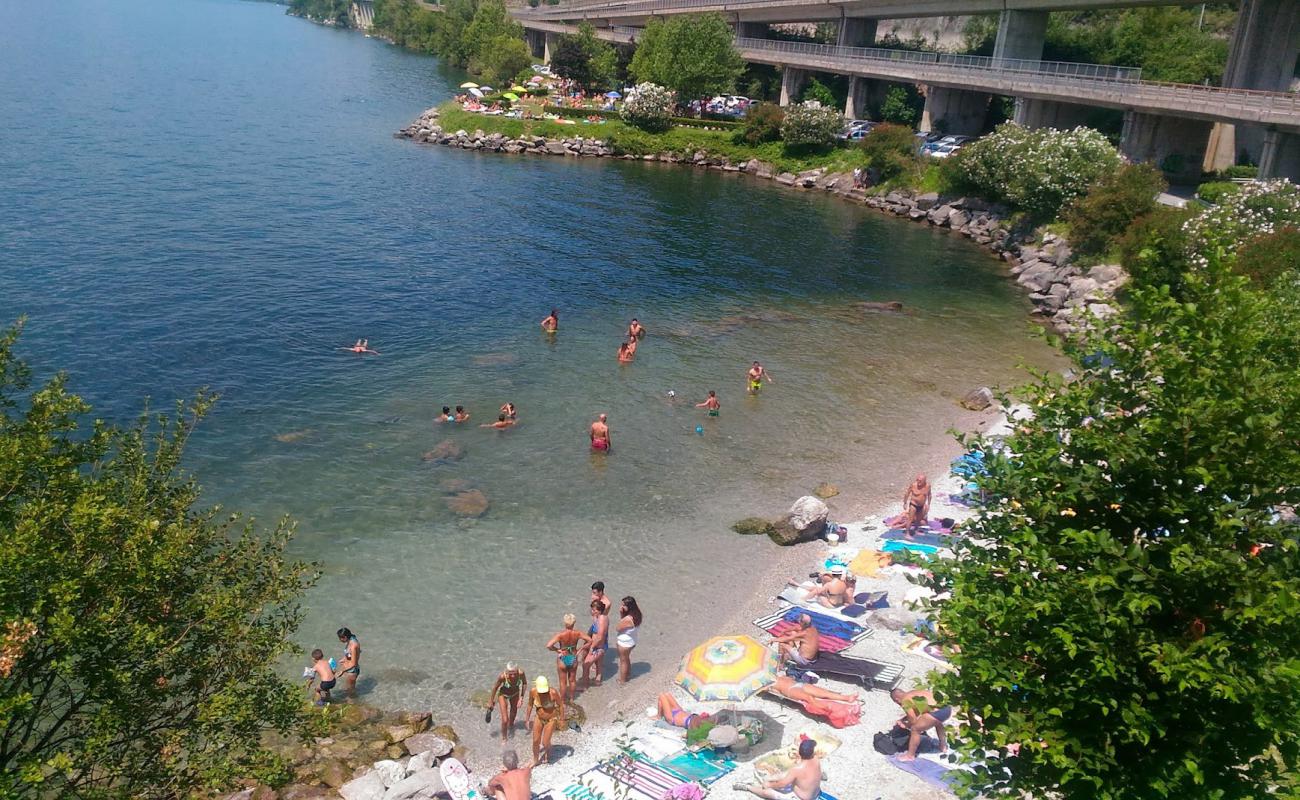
[1065, 297]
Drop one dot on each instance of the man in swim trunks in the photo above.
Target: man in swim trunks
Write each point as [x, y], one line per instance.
[916, 504]
[501, 424]
[600, 434]
[635, 330]
[756, 376]
[321, 670]
[514, 782]
[625, 353]
[921, 713]
[551, 322]
[711, 403]
[350, 666]
[800, 646]
[672, 713]
[803, 780]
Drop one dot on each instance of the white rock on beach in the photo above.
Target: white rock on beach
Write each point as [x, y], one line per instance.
[809, 515]
[368, 787]
[390, 772]
[422, 784]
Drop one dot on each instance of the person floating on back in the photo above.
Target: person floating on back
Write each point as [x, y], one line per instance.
[362, 346]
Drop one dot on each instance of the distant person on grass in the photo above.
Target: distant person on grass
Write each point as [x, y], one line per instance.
[350, 666]
[512, 783]
[803, 780]
[921, 712]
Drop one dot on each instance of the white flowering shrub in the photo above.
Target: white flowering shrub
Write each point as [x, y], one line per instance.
[1258, 209]
[810, 124]
[1037, 170]
[649, 107]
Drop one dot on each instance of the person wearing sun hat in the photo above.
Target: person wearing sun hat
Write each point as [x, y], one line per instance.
[549, 707]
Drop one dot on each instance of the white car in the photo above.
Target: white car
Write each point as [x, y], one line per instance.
[944, 150]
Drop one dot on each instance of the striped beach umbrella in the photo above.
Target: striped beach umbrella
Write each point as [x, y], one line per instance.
[727, 668]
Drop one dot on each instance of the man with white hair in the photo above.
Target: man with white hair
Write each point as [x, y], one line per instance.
[514, 782]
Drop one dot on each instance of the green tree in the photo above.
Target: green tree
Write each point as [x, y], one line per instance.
[503, 57]
[584, 58]
[900, 107]
[1110, 205]
[490, 22]
[694, 55]
[449, 40]
[1126, 625]
[891, 149]
[332, 11]
[138, 634]
[816, 90]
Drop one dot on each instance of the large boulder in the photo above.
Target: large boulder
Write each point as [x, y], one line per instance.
[390, 772]
[368, 787]
[805, 522]
[978, 399]
[927, 201]
[423, 784]
[429, 743]
[468, 504]
[334, 773]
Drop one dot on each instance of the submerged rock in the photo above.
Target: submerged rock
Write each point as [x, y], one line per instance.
[751, 526]
[444, 451]
[480, 698]
[471, 503]
[293, 436]
[826, 490]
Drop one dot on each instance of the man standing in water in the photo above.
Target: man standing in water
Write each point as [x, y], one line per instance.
[350, 666]
[711, 403]
[757, 375]
[636, 330]
[916, 504]
[600, 435]
[551, 323]
[803, 780]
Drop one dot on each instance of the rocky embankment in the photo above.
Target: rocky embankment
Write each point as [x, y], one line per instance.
[365, 755]
[1062, 293]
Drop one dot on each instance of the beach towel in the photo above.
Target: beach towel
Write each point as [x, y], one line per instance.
[825, 795]
[645, 777]
[929, 538]
[839, 715]
[894, 545]
[934, 773]
[825, 643]
[785, 620]
[823, 616]
[701, 767]
[923, 647]
[868, 562]
[900, 522]
[654, 747]
[872, 600]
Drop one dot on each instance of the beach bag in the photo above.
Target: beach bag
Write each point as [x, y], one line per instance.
[891, 742]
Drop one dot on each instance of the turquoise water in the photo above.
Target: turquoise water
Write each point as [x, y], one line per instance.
[207, 192]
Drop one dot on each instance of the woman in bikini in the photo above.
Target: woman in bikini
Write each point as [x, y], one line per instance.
[566, 645]
[549, 707]
[594, 655]
[506, 693]
[674, 714]
[629, 622]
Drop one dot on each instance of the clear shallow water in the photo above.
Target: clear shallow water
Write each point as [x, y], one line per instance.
[206, 192]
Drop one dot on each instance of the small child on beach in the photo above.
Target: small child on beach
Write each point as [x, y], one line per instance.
[323, 671]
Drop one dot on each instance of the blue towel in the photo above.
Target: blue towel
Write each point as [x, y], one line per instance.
[894, 545]
[697, 767]
[828, 626]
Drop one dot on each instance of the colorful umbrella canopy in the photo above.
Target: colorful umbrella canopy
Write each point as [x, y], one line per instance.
[536, 79]
[727, 668]
[487, 89]
[613, 95]
[476, 92]
[518, 88]
[469, 85]
[510, 96]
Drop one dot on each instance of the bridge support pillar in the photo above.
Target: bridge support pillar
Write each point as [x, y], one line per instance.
[536, 42]
[1175, 145]
[864, 94]
[1021, 34]
[1262, 55]
[1280, 157]
[549, 41]
[954, 111]
[792, 83]
[752, 30]
[857, 32]
[1032, 113]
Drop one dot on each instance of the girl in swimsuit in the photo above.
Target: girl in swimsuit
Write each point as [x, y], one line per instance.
[566, 644]
[629, 621]
[506, 693]
[594, 656]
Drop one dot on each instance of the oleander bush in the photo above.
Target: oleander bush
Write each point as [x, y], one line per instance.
[891, 148]
[1259, 208]
[810, 125]
[1038, 171]
[649, 107]
[1110, 205]
[762, 123]
[1267, 257]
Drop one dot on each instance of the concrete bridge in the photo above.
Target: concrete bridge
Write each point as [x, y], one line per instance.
[1181, 127]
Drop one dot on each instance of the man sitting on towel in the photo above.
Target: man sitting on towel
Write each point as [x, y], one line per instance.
[800, 646]
[804, 779]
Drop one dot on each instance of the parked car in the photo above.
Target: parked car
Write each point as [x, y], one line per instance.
[933, 146]
[944, 150]
[855, 129]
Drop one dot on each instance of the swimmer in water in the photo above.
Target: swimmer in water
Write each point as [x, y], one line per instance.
[600, 435]
[757, 375]
[636, 330]
[362, 346]
[711, 403]
[509, 411]
[461, 414]
[625, 353]
[551, 323]
[446, 415]
[502, 423]
[631, 344]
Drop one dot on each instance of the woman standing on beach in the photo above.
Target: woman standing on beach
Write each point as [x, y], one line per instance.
[629, 620]
[550, 711]
[566, 645]
[594, 655]
[506, 693]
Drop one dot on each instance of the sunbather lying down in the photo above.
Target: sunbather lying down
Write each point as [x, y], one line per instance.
[674, 714]
[840, 710]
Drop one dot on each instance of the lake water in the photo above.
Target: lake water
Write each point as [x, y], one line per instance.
[207, 192]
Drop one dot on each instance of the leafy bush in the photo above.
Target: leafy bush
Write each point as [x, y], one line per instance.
[1258, 208]
[649, 107]
[891, 148]
[1240, 171]
[1153, 249]
[1214, 191]
[810, 124]
[900, 106]
[762, 123]
[1111, 205]
[585, 59]
[627, 141]
[816, 90]
[1265, 258]
[1038, 171]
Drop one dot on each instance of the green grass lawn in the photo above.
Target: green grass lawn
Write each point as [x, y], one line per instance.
[626, 139]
